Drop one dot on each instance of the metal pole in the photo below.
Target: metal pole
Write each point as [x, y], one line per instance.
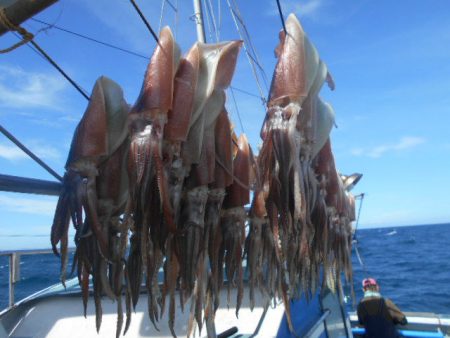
[22, 10]
[198, 15]
[14, 275]
[29, 185]
[29, 153]
[11, 284]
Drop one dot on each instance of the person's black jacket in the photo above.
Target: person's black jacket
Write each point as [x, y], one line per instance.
[379, 316]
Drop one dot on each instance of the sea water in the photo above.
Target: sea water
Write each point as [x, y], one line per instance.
[411, 264]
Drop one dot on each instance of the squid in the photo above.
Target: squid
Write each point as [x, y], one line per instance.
[175, 133]
[216, 69]
[233, 219]
[96, 185]
[291, 133]
[150, 206]
[166, 183]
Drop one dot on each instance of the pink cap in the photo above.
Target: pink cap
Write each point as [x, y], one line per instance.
[369, 282]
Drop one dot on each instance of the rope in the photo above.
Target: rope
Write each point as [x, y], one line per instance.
[26, 36]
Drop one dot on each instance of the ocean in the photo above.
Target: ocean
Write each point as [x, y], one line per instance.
[411, 264]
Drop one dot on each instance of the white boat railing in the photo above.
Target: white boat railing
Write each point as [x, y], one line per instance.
[14, 267]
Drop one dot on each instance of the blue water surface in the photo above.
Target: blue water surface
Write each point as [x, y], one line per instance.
[411, 264]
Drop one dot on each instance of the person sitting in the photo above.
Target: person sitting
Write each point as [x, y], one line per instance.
[378, 315]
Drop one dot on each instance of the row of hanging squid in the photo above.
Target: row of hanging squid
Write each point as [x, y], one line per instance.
[166, 185]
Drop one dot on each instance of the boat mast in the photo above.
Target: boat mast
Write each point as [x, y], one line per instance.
[198, 17]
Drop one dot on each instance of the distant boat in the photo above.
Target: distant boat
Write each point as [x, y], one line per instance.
[393, 232]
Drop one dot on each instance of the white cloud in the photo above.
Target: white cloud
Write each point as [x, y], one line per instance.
[24, 89]
[404, 143]
[13, 153]
[28, 205]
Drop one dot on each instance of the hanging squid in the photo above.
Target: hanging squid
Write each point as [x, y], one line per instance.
[199, 157]
[96, 186]
[150, 206]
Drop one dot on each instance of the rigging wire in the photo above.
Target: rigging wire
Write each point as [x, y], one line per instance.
[281, 16]
[237, 109]
[174, 7]
[28, 37]
[176, 18]
[90, 39]
[63, 73]
[141, 15]
[208, 20]
[31, 47]
[219, 14]
[37, 49]
[163, 4]
[245, 92]
[252, 64]
[210, 10]
[250, 44]
[115, 47]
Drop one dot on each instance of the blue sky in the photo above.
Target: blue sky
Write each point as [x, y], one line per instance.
[389, 60]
